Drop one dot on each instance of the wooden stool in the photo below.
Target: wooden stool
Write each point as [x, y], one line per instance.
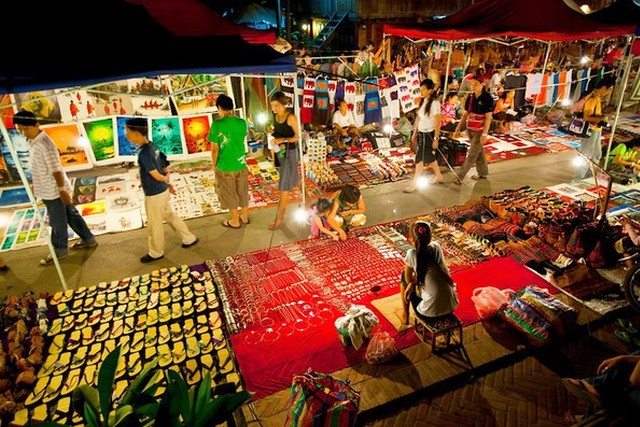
[444, 326]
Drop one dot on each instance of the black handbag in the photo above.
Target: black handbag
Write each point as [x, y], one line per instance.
[579, 126]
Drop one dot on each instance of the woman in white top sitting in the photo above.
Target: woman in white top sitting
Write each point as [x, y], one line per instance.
[426, 134]
[426, 282]
[344, 124]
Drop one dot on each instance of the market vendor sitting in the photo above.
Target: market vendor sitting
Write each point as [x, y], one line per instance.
[626, 156]
[347, 211]
[344, 125]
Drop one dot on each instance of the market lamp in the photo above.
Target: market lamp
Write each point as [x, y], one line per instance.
[262, 118]
[388, 128]
[4, 221]
[579, 161]
[301, 215]
[422, 182]
[584, 60]
[566, 102]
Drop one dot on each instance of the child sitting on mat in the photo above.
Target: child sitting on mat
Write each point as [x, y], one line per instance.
[347, 211]
[319, 223]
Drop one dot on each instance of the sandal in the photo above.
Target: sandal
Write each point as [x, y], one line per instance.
[187, 308]
[38, 391]
[68, 323]
[212, 301]
[119, 390]
[206, 346]
[164, 353]
[123, 343]
[135, 365]
[116, 329]
[137, 343]
[187, 293]
[57, 344]
[179, 353]
[74, 340]
[191, 372]
[164, 314]
[95, 354]
[53, 389]
[227, 224]
[477, 177]
[72, 381]
[203, 326]
[78, 358]
[193, 347]
[176, 295]
[102, 334]
[151, 337]
[164, 336]
[129, 325]
[201, 304]
[215, 321]
[176, 311]
[189, 328]
[81, 320]
[48, 366]
[276, 224]
[88, 375]
[176, 332]
[87, 336]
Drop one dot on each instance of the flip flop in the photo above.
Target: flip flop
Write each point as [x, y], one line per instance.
[276, 225]
[248, 221]
[227, 224]
[191, 372]
[434, 182]
[477, 177]
[579, 389]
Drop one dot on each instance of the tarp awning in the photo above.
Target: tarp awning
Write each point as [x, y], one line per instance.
[549, 20]
[123, 40]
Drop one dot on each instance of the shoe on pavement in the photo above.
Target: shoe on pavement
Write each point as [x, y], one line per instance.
[188, 245]
[80, 244]
[148, 258]
[49, 259]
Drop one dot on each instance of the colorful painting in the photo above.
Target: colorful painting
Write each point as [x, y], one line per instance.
[6, 110]
[44, 104]
[102, 142]
[14, 197]
[93, 208]
[21, 145]
[146, 106]
[196, 132]
[124, 221]
[68, 140]
[24, 230]
[126, 149]
[197, 93]
[166, 135]
[84, 190]
[76, 105]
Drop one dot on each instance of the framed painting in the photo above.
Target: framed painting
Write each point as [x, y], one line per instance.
[195, 130]
[102, 140]
[69, 141]
[167, 136]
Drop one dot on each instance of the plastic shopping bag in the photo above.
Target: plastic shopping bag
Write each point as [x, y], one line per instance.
[381, 348]
[489, 299]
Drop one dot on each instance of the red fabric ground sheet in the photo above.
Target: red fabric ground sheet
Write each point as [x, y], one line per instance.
[269, 367]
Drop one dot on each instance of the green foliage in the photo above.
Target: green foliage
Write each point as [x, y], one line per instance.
[178, 406]
[195, 407]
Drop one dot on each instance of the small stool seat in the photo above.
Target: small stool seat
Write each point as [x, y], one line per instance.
[443, 326]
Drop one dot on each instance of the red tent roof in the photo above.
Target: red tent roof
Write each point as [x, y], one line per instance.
[190, 18]
[537, 19]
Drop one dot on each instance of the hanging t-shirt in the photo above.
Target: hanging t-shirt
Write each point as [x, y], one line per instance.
[332, 95]
[358, 110]
[372, 107]
[340, 94]
[534, 81]
[300, 88]
[287, 85]
[541, 98]
[306, 109]
[350, 95]
[389, 97]
[321, 114]
[552, 93]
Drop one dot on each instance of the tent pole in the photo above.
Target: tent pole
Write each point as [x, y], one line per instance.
[32, 199]
[625, 80]
[544, 70]
[296, 111]
[446, 74]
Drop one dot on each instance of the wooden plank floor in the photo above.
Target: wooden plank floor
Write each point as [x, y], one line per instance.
[525, 393]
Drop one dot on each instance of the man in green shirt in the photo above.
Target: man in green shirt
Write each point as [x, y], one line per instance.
[227, 136]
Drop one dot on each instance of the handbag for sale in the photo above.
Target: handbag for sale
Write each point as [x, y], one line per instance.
[579, 127]
[320, 400]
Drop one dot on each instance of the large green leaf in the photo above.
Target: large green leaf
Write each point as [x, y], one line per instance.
[120, 415]
[137, 386]
[105, 381]
[226, 405]
[91, 417]
[179, 393]
[148, 410]
[52, 424]
[85, 394]
[204, 395]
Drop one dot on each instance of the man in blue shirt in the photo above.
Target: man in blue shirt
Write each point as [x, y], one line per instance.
[157, 191]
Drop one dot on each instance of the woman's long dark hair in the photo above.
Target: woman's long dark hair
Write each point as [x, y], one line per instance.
[429, 84]
[425, 253]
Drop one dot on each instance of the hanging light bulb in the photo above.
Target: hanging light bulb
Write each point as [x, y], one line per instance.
[566, 102]
[388, 128]
[585, 8]
[585, 59]
[422, 182]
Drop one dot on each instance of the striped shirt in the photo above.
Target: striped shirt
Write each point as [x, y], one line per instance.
[45, 160]
[477, 107]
